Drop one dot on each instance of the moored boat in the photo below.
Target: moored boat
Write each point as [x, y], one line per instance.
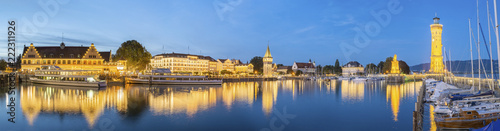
[53, 75]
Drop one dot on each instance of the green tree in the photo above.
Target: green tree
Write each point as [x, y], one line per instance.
[225, 72]
[387, 65]
[138, 58]
[257, 64]
[337, 68]
[319, 69]
[405, 69]
[380, 66]
[328, 69]
[3, 64]
[289, 71]
[370, 68]
[298, 73]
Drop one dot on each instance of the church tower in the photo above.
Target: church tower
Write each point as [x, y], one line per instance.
[268, 63]
[436, 50]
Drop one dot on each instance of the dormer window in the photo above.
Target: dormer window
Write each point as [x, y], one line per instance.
[78, 56]
[61, 55]
[44, 55]
[71, 56]
[51, 56]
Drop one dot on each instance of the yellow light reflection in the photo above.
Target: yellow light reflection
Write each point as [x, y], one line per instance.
[396, 92]
[352, 91]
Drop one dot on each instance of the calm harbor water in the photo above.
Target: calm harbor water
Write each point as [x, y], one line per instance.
[268, 105]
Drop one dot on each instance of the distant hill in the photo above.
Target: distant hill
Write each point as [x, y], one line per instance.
[460, 66]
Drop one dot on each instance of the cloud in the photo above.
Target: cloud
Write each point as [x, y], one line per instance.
[339, 20]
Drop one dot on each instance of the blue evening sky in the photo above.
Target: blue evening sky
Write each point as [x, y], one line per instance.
[296, 30]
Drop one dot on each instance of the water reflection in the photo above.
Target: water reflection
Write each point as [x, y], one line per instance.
[133, 101]
[396, 92]
[63, 101]
[175, 100]
[352, 91]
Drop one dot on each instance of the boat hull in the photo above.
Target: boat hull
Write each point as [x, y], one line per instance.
[69, 83]
[465, 123]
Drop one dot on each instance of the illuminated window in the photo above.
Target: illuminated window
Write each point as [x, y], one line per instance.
[61, 55]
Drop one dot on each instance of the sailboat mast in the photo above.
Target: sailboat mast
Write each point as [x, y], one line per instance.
[478, 46]
[471, 56]
[445, 64]
[496, 33]
[489, 37]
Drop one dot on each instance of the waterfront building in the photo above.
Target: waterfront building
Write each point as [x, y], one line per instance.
[225, 64]
[242, 68]
[352, 68]
[283, 69]
[268, 63]
[395, 65]
[69, 58]
[436, 49]
[306, 68]
[184, 63]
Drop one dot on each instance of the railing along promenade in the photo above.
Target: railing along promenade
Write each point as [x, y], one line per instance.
[486, 83]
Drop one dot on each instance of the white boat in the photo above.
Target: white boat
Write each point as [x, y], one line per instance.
[174, 80]
[53, 75]
[344, 78]
[360, 79]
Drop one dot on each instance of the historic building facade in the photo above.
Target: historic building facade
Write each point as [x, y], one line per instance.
[225, 65]
[69, 58]
[268, 63]
[184, 63]
[306, 68]
[352, 68]
[436, 49]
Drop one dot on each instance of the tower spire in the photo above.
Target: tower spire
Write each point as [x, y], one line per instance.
[268, 52]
